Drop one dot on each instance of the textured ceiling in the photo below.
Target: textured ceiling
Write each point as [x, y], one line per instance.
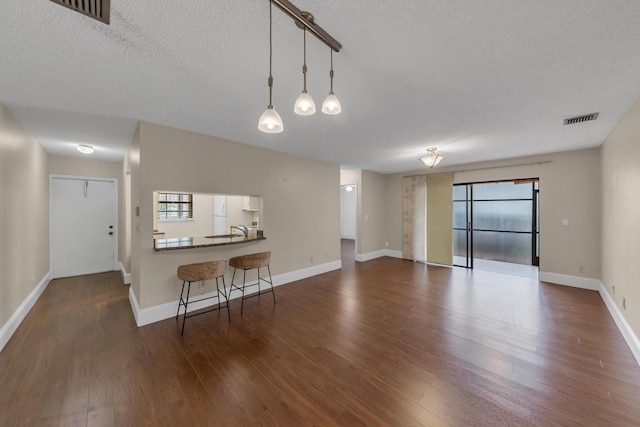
[480, 79]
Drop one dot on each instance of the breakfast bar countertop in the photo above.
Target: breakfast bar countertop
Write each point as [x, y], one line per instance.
[205, 242]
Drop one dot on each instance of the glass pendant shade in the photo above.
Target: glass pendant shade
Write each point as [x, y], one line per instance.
[432, 159]
[304, 105]
[331, 105]
[270, 121]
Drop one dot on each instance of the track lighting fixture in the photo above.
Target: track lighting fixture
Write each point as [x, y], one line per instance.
[270, 121]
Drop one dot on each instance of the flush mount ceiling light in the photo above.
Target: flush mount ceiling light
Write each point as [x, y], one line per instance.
[84, 148]
[270, 120]
[432, 158]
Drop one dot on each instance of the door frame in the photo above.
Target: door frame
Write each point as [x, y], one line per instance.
[116, 193]
[535, 217]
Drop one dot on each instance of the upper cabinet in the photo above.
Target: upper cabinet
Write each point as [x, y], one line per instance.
[251, 203]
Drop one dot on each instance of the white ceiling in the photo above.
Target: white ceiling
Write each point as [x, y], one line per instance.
[480, 80]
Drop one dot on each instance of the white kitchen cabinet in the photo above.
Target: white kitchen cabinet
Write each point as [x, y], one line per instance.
[251, 203]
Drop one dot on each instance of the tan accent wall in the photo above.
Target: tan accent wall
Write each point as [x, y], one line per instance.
[301, 200]
[621, 215]
[24, 217]
[569, 188]
[440, 218]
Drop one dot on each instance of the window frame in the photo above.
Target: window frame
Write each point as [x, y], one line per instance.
[185, 210]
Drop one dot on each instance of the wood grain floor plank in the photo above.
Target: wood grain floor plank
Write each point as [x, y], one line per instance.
[386, 342]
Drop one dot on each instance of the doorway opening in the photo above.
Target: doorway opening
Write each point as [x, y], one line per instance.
[348, 221]
[496, 226]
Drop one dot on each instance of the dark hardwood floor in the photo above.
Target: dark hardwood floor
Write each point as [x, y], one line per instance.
[386, 342]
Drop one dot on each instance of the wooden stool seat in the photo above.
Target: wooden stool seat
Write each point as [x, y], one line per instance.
[251, 262]
[199, 272]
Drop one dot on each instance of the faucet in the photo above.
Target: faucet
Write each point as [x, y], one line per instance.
[242, 228]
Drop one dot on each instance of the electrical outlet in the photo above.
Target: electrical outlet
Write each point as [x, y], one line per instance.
[201, 285]
[310, 259]
[581, 269]
[613, 288]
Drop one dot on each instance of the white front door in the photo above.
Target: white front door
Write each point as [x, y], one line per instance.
[83, 226]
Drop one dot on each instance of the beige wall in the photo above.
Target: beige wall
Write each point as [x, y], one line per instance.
[569, 188]
[80, 166]
[131, 175]
[621, 215]
[24, 217]
[372, 212]
[301, 202]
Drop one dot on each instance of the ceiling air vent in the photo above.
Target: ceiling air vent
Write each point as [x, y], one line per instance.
[580, 119]
[97, 9]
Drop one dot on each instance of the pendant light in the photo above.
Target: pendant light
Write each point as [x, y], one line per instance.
[331, 104]
[432, 158]
[270, 121]
[304, 105]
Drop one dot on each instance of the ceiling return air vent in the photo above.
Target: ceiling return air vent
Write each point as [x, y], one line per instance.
[580, 119]
[96, 9]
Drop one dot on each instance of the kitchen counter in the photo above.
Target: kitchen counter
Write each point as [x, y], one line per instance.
[204, 242]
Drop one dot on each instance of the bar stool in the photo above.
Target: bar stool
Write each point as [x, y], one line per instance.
[199, 272]
[250, 262]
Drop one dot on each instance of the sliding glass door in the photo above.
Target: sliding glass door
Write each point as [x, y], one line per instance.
[496, 221]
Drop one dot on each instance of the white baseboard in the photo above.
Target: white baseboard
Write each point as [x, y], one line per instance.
[126, 277]
[566, 280]
[596, 285]
[10, 327]
[393, 254]
[625, 329]
[168, 310]
[377, 254]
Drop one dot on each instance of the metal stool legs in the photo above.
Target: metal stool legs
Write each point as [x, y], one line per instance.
[251, 262]
[199, 272]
